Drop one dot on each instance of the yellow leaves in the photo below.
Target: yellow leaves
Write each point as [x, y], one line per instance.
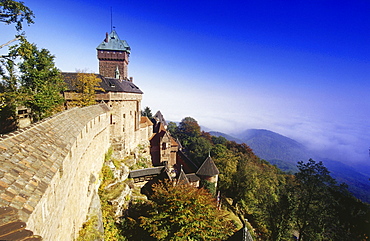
[86, 84]
[89, 230]
[185, 211]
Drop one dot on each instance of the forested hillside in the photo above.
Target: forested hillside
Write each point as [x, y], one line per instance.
[285, 152]
[310, 202]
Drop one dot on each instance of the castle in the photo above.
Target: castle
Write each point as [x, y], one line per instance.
[49, 173]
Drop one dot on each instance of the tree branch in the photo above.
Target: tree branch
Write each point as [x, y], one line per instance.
[4, 15]
[9, 42]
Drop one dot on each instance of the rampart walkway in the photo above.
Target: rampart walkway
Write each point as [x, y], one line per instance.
[48, 172]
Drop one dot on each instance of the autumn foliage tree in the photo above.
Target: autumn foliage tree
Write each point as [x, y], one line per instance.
[86, 85]
[276, 203]
[182, 212]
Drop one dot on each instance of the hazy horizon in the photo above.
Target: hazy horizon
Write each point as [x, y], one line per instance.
[300, 69]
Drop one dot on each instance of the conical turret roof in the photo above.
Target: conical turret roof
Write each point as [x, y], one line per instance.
[208, 168]
[182, 179]
[159, 117]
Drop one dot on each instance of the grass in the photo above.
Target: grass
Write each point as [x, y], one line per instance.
[114, 191]
[89, 230]
[111, 227]
[111, 230]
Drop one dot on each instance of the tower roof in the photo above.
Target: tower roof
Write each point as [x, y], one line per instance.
[159, 117]
[113, 42]
[182, 179]
[208, 168]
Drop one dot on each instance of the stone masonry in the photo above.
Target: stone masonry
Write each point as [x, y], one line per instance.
[49, 173]
[108, 67]
[125, 121]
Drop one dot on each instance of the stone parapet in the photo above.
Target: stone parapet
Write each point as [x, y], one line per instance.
[48, 174]
[110, 96]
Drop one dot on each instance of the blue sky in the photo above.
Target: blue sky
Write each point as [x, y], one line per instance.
[299, 68]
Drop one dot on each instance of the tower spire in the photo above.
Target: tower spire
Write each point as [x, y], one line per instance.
[111, 19]
[113, 52]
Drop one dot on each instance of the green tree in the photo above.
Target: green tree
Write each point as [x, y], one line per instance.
[189, 127]
[147, 112]
[183, 212]
[279, 213]
[173, 129]
[219, 140]
[10, 97]
[40, 79]
[37, 83]
[352, 220]
[314, 210]
[198, 148]
[226, 163]
[11, 12]
[15, 12]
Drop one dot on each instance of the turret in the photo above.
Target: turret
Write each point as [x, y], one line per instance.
[208, 171]
[113, 55]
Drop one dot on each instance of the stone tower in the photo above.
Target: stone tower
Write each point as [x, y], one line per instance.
[113, 55]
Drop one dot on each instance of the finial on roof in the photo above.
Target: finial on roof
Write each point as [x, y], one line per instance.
[117, 74]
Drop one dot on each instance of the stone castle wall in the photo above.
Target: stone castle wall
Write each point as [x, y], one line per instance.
[125, 122]
[49, 173]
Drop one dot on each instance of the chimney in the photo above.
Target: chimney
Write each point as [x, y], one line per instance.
[106, 37]
[131, 79]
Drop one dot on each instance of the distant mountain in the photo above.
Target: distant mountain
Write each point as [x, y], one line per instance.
[284, 166]
[285, 152]
[269, 145]
[358, 183]
[228, 137]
